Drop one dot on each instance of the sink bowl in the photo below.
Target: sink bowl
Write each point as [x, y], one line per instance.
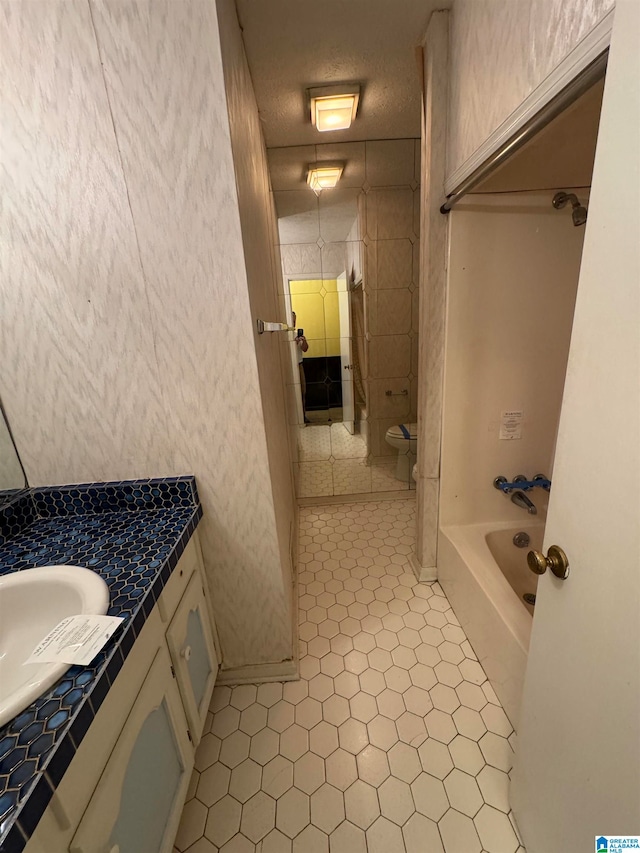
[32, 602]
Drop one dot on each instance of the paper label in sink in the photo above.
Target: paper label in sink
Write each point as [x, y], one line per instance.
[75, 640]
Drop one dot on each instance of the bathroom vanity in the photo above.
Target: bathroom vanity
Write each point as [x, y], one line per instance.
[113, 775]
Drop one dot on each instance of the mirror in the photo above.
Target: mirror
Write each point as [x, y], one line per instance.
[12, 478]
[317, 279]
[350, 274]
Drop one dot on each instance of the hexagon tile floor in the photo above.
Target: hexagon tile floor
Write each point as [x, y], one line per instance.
[393, 741]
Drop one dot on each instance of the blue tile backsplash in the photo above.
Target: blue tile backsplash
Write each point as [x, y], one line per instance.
[132, 533]
[16, 514]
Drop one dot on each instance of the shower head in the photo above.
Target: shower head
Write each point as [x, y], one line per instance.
[579, 211]
[579, 214]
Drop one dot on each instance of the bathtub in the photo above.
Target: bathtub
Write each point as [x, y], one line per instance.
[485, 576]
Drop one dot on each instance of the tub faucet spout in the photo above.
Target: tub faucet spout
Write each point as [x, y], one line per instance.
[520, 499]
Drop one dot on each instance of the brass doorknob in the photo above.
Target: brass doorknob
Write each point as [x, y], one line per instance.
[556, 560]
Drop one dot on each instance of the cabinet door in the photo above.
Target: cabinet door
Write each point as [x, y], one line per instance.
[137, 804]
[190, 641]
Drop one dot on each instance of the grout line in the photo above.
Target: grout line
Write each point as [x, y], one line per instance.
[361, 575]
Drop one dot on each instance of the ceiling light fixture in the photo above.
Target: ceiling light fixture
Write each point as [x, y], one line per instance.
[334, 107]
[323, 176]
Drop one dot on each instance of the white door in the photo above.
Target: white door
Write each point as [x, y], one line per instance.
[346, 362]
[577, 772]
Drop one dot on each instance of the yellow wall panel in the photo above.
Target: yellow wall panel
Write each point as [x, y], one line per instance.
[318, 315]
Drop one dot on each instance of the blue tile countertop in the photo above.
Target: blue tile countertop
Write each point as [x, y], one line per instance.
[132, 533]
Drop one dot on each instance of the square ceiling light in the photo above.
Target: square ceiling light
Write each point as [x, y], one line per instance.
[334, 107]
[323, 176]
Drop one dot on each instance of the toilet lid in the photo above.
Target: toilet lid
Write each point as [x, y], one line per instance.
[408, 431]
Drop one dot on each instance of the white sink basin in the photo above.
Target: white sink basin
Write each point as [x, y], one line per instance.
[32, 602]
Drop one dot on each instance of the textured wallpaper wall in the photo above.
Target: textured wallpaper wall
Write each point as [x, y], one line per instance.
[500, 52]
[263, 264]
[124, 307]
[72, 285]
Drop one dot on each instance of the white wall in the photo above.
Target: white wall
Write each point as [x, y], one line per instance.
[433, 289]
[513, 274]
[124, 307]
[501, 50]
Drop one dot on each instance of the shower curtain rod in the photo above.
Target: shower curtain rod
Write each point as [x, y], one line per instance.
[572, 91]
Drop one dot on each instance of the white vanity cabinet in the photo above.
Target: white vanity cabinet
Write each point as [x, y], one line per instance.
[195, 663]
[137, 803]
[125, 788]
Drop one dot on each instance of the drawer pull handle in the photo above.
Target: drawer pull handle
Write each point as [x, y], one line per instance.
[186, 652]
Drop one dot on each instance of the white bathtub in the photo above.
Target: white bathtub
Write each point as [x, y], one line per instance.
[484, 576]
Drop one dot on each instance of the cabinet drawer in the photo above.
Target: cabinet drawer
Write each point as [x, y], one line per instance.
[190, 642]
[137, 804]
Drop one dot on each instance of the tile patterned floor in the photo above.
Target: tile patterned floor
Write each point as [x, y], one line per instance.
[314, 443]
[317, 443]
[325, 416]
[333, 462]
[393, 741]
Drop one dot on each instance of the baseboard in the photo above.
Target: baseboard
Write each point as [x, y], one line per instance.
[363, 497]
[425, 574]
[286, 670]
[295, 599]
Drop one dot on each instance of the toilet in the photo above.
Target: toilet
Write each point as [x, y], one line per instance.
[404, 437]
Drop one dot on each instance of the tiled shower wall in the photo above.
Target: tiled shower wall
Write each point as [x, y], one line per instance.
[125, 321]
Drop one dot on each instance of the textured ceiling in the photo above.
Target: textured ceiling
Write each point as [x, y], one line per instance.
[296, 44]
